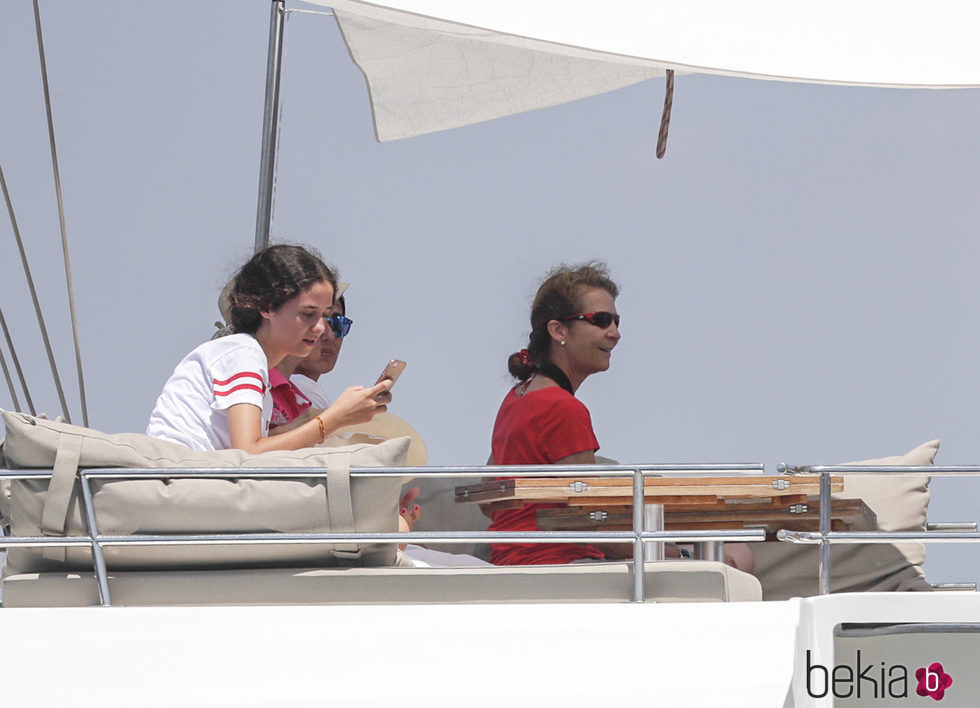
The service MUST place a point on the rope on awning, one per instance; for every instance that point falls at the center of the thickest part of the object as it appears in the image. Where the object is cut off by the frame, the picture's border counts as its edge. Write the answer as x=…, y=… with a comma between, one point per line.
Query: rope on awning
x=37, y=304
x=665, y=118
x=20, y=372
x=64, y=233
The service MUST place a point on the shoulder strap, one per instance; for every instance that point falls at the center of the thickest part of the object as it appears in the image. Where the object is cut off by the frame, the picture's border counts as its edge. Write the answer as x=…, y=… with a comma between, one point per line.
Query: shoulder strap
x=340, y=504
x=54, y=517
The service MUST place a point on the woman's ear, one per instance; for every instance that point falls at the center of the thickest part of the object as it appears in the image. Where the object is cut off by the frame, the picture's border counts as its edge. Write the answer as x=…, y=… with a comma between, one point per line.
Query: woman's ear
x=558, y=331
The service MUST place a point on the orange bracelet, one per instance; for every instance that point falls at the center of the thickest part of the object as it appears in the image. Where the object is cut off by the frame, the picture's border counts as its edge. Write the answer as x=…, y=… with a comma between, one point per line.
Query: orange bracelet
x=323, y=431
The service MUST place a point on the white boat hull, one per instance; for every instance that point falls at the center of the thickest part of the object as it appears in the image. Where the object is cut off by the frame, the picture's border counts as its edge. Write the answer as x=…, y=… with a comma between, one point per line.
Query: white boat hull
x=701, y=654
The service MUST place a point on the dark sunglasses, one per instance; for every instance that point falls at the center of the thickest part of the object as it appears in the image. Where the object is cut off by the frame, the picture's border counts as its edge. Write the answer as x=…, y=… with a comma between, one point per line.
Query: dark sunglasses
x=339, y=325
x=602, y=320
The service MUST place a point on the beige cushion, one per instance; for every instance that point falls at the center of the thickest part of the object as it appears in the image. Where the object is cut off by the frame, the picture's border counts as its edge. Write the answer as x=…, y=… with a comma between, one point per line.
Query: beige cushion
x=190, y=506
x=666, y=581
x=899, y=502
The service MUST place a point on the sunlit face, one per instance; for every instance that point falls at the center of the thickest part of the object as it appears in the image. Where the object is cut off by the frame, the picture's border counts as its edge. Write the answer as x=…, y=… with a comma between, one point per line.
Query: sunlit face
x=323, y=358
x=589, y=348
x=294, y=328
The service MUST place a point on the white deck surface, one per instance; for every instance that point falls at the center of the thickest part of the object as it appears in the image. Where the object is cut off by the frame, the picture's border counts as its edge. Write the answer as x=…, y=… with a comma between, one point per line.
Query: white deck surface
x=461, y=655
x=735, y=654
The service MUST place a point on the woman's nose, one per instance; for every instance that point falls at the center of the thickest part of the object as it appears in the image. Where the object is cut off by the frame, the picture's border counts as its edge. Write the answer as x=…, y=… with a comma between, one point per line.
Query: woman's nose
x=320, y=327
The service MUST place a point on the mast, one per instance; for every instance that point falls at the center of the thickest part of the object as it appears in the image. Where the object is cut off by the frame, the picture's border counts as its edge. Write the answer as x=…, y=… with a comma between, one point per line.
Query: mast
x=270, y=125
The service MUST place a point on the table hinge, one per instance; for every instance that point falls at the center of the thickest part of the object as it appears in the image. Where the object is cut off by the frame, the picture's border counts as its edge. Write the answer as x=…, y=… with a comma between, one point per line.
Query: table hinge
x=578, y=487
x=780, y=484
x=598, y=515
x=798, y=508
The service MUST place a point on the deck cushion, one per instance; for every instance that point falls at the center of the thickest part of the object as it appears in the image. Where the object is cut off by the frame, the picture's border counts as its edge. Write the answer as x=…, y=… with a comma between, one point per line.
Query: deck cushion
x=899, y=502
x=195, y=505
x=666, y=581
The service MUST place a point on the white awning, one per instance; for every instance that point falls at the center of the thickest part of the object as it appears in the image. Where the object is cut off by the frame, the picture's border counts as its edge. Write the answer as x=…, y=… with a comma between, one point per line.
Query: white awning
x=437, y=64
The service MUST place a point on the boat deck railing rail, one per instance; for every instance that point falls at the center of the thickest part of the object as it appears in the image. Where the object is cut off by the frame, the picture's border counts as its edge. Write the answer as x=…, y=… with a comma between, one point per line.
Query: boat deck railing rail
x=642, y=536
x=953, y=532
x=639, y=536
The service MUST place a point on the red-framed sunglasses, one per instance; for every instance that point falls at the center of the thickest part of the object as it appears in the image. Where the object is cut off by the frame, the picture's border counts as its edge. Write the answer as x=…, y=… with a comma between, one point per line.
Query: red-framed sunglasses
x=602, y=320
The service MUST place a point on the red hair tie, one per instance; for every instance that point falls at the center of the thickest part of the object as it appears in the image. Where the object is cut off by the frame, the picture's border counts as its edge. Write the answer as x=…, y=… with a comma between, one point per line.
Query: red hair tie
x=525, y=357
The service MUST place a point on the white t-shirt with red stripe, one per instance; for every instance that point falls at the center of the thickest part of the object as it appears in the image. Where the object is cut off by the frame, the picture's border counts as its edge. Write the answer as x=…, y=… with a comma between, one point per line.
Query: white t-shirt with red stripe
x=193, y=407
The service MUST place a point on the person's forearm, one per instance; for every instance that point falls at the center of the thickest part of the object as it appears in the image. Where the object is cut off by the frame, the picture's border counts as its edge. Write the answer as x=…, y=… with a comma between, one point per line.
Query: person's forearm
x=307, y=434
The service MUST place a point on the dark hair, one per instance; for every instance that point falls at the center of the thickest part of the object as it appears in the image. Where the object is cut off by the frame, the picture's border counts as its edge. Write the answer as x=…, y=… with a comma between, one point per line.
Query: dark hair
x=343, y=304
x=270, y=278
x=559, y=296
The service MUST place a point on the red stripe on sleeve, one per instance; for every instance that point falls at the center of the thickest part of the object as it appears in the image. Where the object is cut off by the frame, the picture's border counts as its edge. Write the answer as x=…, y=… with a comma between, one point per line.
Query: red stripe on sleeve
x=253, y=374
x=241, y=387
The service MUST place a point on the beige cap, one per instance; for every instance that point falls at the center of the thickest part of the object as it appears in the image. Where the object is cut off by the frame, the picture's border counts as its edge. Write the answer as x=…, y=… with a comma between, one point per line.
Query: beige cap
x=384, y=426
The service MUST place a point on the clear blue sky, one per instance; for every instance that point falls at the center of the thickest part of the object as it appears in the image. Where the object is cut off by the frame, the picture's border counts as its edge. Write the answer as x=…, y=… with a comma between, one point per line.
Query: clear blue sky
x=798, y=274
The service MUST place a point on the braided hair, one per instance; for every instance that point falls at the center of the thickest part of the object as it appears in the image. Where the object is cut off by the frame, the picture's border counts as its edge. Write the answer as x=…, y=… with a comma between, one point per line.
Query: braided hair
x=557, y=298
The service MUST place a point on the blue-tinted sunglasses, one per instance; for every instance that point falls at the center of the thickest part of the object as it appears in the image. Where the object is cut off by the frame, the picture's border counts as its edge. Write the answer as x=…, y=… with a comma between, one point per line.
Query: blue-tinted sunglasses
x=339, y=325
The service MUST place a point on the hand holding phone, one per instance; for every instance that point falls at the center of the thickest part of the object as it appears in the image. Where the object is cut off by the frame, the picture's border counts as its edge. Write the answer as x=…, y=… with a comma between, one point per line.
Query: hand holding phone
x=391, y=372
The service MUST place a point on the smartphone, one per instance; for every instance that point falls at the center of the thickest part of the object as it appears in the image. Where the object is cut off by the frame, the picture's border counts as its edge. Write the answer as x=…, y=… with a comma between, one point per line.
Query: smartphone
x=392, y=371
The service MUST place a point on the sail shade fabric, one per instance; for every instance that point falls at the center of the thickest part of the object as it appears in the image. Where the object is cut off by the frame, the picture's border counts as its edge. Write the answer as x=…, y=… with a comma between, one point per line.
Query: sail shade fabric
x=437, y=64
x=435, y=77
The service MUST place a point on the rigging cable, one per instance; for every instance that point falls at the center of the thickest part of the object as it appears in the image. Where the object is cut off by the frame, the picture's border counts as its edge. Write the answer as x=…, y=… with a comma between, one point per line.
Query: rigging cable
x=6, y=371
x=64, y=233
x=37, y=305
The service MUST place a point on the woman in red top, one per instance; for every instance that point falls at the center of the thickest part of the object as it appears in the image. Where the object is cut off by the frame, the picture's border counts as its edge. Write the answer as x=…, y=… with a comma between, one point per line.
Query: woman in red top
x=574, y=328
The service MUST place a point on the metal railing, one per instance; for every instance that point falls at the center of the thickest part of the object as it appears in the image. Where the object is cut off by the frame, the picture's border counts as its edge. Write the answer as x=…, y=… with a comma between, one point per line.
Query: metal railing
x=956, y=532
x=638, y=536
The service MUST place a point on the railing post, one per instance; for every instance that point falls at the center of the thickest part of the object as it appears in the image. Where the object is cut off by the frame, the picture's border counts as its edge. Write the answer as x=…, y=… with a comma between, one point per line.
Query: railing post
x=270, y=126
x=824, y=571
x=653, y=520
x=639, y=569
x=98, y=559
x=710, y=551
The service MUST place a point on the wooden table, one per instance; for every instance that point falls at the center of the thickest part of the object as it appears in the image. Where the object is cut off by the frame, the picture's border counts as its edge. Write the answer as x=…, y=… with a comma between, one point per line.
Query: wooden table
x=845, y=515
x=712, y=502
x=672, y=491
